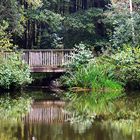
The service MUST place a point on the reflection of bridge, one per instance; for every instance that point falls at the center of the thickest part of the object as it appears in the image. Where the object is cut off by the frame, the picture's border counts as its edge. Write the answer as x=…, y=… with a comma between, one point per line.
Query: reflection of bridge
x=48, y=60
x=46, y=112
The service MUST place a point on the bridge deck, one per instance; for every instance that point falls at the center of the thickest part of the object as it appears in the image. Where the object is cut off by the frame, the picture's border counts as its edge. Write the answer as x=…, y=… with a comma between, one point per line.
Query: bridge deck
x=45, y=69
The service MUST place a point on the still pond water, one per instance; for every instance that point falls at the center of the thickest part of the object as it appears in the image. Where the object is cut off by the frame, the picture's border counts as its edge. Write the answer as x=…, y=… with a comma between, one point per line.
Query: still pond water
x=47, y=121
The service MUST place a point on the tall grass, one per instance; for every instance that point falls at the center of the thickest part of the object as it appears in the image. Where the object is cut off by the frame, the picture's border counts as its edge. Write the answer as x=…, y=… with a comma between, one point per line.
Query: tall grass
x=93, y=76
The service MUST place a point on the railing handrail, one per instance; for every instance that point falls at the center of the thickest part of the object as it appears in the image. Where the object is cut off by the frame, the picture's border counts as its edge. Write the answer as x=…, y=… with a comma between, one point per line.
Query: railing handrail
x=42, y=50
x=36, y=50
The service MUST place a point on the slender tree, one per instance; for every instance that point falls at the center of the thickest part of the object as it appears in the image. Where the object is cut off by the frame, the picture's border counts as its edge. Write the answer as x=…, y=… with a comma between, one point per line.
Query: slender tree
x=132, y=20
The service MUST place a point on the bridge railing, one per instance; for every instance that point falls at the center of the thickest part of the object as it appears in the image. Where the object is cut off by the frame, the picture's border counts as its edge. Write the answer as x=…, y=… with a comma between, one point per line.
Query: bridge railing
x=47, y=57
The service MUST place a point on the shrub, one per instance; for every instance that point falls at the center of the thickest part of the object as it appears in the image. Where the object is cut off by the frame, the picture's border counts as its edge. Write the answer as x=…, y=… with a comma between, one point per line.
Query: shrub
x=13, y=71
x=81, y=56
x=127, y=62
x=123, y=65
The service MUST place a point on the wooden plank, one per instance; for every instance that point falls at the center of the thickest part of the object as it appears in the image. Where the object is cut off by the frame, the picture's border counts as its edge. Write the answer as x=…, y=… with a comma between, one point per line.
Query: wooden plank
x=38, y=50
x=47, y=69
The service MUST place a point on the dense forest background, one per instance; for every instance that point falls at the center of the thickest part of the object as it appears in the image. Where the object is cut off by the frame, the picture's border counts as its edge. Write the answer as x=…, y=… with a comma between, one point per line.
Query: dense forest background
x=42, y=24
x=53, y=23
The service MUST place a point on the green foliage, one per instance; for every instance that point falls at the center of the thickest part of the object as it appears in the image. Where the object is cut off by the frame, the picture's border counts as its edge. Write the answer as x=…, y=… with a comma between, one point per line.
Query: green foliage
x=50, y=23
x=14, y=108
x=122, y=27
x=81, y=56
x=34, y=3
x=111, y=70
x=81, y=26
x=127, y=63
x=123, y=65
x=82, y=20
x=5, y=41
x=53, y=21
x=12, y=13
x=13, y=71
x=96, y=74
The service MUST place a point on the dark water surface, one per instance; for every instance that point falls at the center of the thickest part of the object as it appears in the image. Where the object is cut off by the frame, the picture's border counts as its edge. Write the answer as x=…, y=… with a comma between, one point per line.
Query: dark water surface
x=47, y=121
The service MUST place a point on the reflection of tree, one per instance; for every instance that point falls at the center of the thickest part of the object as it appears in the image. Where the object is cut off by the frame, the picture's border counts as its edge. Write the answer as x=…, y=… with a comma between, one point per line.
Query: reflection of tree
x=55, y=132
x=14, y=108
x=121, y=130
x=82, y=127
x=85, y=129
x=43, y=131
x=8, y=130
x=126, y=114
x=99, y=131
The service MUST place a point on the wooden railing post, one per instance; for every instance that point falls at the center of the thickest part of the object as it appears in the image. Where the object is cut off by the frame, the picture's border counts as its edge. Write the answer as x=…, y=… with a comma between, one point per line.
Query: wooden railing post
x=62, y=57
x=29, y=58
x=51, y=57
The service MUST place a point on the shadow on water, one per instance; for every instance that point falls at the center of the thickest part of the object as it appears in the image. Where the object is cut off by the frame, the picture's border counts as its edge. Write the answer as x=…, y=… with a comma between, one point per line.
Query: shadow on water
x=47, y=120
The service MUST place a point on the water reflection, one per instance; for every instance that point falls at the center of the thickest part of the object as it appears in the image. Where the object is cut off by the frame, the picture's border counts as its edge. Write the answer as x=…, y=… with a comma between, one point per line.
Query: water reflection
x=120, y=130
x=62, y=131
x=46, y=112
x=47, y=121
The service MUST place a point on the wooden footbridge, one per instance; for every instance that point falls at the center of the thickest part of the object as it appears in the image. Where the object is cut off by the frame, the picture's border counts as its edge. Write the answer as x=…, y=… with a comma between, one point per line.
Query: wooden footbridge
x=48, y=60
